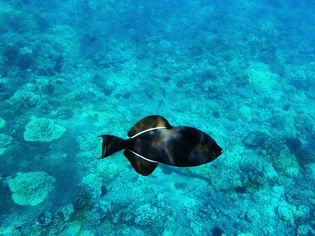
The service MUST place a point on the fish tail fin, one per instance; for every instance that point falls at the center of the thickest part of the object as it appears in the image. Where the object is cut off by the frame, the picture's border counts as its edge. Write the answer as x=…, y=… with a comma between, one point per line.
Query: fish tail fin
x=111, y=144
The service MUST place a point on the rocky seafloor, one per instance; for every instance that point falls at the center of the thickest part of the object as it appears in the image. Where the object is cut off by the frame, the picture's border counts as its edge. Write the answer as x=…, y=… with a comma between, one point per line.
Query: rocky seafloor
x=242, y=71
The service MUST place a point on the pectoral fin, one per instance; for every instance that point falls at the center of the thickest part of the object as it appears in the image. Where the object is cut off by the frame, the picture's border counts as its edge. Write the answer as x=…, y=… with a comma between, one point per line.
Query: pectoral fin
x=142, y=166
x=147, y=123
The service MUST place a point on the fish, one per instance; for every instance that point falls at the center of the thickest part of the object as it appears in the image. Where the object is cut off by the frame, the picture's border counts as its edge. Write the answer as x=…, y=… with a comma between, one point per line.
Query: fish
x=153, y=140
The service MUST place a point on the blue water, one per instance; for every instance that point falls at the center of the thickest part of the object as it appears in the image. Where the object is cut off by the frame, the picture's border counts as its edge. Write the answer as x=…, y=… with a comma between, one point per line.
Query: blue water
x=242, y=71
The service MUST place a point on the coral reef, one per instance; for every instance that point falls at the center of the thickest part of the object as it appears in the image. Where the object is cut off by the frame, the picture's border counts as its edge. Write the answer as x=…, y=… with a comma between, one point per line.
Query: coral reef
x=262, y=80
x=42, y=129
x=145, y=214
x=87, y=192
x=2, y=123
x=5, y=140
x=286, y=164
x=23, y=100
x=31, y=188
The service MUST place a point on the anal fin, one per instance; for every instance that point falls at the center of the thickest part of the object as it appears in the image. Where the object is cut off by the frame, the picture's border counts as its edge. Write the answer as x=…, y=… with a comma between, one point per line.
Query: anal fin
x=142, y=166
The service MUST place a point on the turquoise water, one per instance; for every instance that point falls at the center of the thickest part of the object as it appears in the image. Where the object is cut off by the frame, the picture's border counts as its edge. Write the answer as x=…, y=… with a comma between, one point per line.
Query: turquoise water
x=242, y=71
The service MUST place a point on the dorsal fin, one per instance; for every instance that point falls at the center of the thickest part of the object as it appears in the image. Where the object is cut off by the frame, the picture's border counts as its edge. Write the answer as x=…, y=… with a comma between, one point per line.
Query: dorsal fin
x=148, y=122
x=141, y=165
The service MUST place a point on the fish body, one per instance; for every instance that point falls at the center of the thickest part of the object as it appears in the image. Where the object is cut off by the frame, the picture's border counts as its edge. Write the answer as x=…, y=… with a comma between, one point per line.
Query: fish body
x=153, y=140
x=178, y=146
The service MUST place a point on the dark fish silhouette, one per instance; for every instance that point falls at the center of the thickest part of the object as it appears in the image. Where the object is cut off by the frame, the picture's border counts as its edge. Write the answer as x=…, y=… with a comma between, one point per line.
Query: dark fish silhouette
x=153, y=140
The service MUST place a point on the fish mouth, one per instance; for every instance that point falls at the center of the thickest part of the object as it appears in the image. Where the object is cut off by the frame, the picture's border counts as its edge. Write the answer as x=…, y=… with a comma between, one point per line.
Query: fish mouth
x=219, y=153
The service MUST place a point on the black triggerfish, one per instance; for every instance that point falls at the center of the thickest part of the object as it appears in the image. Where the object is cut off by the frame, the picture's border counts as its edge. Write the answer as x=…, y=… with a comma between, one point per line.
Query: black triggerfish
x=153, y=140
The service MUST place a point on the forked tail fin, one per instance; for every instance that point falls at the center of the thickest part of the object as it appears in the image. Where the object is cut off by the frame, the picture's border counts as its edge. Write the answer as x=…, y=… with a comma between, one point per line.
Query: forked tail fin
x=111, y=144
